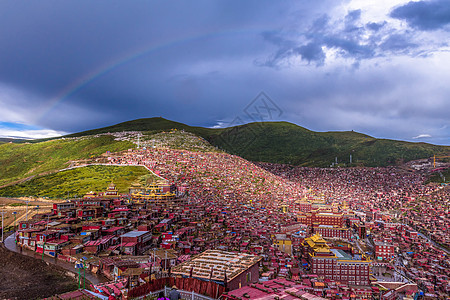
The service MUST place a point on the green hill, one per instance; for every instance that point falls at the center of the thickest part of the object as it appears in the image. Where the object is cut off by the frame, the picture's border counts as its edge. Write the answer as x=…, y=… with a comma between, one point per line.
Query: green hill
x=283, y=142
x=24, y=160
x=150, y=125
x=78, y=181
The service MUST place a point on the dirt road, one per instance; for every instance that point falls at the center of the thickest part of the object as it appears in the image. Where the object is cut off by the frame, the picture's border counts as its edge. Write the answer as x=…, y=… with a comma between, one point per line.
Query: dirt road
x=10, y=205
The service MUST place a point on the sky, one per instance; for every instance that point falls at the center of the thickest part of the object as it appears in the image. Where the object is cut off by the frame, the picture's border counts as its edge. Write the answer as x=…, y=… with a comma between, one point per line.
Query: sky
x=380, y=67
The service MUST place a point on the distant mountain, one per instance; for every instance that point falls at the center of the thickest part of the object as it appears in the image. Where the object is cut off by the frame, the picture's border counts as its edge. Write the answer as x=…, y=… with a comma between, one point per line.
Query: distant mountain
x=12, y=140
x=284, y=142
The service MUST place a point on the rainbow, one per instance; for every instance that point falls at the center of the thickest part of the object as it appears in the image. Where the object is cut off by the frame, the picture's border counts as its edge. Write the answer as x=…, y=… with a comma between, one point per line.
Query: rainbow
x=131, y=56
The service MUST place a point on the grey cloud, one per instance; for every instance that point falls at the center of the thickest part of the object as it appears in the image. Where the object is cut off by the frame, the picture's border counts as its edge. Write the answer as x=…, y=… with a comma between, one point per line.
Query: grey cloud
x=349, y=47
x=312, y=52
x=398, y=42
x=276, y=39
x=318, y=35
x=351, y=39
x=424, y=15
x=320, y=24
x=375, y=26
x=353, y=16
x=350, y=19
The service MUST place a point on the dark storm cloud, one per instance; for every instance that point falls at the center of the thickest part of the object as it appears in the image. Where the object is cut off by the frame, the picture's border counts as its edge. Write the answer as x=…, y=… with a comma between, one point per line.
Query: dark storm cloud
x=72, y=66
x=352, y=39
x=425, y=15
x=47, y=47
x=347, y=41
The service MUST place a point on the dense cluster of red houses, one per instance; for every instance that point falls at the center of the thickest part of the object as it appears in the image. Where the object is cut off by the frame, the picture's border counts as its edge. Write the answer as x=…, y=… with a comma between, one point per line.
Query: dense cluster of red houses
x=288, y=233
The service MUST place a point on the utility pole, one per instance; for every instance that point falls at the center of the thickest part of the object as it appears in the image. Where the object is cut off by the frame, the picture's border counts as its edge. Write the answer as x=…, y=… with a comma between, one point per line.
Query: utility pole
x=14, y=213
x=84, y=277
x=27, y=209
x=79, y=278
x=2, y=212
x=43, y=247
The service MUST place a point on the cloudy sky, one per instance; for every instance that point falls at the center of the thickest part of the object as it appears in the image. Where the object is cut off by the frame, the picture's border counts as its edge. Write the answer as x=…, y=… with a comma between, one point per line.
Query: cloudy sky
x=381, y=67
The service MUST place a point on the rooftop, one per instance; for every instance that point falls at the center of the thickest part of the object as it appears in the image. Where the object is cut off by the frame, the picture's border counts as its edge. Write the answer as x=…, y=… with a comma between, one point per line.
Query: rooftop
x=219, y=262
x=341, y=254
x=134, y=233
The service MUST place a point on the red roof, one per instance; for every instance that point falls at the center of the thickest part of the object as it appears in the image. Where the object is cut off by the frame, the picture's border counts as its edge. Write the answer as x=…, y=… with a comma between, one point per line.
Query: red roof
x=129, y=244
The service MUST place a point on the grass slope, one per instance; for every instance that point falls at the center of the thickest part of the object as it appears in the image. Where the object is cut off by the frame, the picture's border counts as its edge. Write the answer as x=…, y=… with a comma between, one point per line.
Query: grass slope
x=283, y=142
x=21, y=160
x=78, y=181
x=436, y=177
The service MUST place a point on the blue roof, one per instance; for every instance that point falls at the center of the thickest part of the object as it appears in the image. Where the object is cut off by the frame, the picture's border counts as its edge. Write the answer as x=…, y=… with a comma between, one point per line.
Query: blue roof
x=134, y=233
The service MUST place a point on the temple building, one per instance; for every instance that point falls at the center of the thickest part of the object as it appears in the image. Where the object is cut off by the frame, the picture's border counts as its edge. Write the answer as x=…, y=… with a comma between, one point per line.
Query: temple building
x=329, y=231
x=336, y=264
x=319, y=217
x=158, y=192
x=111, y=191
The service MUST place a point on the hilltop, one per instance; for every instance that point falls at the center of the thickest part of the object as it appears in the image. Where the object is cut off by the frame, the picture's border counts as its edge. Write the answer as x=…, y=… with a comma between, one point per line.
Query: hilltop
x=284, y=142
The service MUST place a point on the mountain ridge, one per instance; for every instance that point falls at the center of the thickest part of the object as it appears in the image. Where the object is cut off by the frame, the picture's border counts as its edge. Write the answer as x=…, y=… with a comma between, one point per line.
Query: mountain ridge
x=285, y=142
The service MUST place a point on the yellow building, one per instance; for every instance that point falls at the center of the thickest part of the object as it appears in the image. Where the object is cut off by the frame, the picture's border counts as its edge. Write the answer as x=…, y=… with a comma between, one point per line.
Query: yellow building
x=283, y=243
x=284, y=208
x=111, y=191
x=157, y=192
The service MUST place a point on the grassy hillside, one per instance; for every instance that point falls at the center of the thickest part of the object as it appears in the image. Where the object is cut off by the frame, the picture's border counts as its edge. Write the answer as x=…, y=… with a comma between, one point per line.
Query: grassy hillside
x=22, y=160
x=283, y=142
x=440, y=176
x=78, y=181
